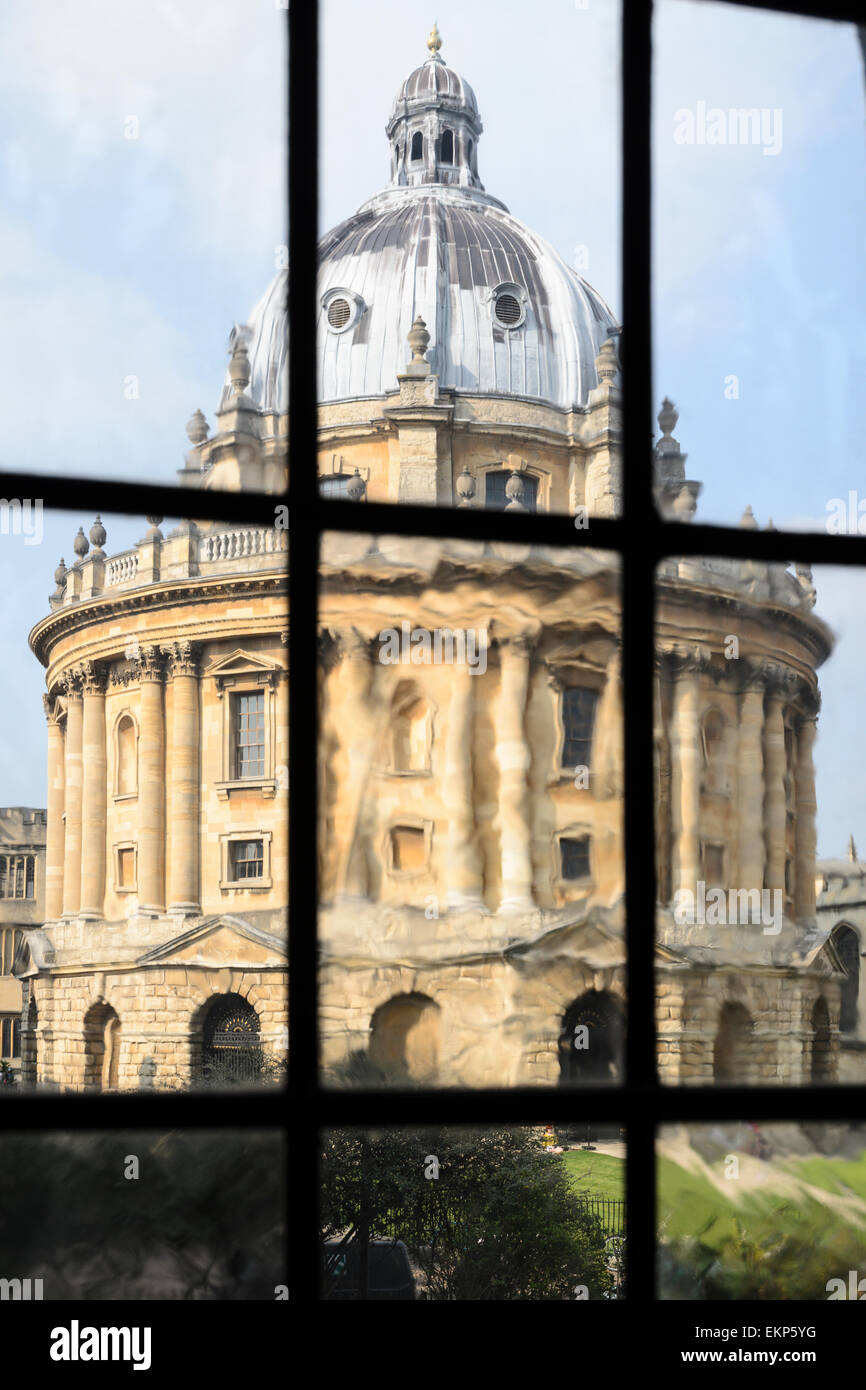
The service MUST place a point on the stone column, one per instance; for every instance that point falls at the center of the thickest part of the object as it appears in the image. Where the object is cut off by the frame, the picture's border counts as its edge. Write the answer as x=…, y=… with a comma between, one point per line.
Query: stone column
x=686, y=779
x=663, y=791
x=806, y=839
x=151, y=792
x=54, y=831
x=750, y=785
x=463, y=871
x=72, y=796
x=356, y=678
x=608, y=756
x=94, y=789
x=512, y=756
x=183, y=780
x=774, y=785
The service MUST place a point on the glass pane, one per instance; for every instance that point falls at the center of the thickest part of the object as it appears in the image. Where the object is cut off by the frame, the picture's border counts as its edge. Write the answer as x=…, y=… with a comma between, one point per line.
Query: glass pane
x=471, y=871
x=761, y=1212
x=144, y=237
x=467, y=347
x=759, y=283
x=757, y=721
x=449, y=1213
x=117, y=740
x=143, y=1215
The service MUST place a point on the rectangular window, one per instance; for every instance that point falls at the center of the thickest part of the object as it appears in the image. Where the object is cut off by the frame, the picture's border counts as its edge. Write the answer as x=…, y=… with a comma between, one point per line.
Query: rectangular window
x=248, y=725
x=408, y=849
x=10, y=1037
x=247, y=859
x=574, y=857
x=578, y=718
x=713, y=865
x=126, y=868
x=17, y=876
x=497, y=498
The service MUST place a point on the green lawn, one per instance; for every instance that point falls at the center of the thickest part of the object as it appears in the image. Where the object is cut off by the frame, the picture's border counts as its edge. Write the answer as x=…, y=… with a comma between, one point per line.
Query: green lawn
x=688, y=1203
x=594, y=1174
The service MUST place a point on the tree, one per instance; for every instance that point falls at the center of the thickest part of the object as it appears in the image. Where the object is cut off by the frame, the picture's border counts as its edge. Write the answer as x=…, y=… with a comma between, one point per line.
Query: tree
x=498, y=1221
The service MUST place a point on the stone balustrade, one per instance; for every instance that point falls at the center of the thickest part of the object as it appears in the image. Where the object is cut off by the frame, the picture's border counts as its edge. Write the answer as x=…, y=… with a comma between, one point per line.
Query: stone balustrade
x=186, y=553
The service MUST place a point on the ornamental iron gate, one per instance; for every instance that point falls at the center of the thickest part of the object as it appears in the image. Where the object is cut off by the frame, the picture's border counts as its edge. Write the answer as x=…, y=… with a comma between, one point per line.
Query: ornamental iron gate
x=231, y=1046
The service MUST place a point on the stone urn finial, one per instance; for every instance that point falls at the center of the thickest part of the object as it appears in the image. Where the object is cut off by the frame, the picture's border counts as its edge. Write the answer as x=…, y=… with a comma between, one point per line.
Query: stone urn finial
x=98, y=536
x=465, y=488
x=356, y=487
x=154, y=534
x=747, y=520
x=607, y=363
x=80, y=545
x=419, y=340
x=197, y=428
x=515, y=491
x=60, y=573
x=667, y=417
x=239, y=366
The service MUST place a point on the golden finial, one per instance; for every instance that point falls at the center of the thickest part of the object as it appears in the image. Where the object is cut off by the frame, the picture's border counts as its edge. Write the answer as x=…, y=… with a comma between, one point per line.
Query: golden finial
x=434, y=42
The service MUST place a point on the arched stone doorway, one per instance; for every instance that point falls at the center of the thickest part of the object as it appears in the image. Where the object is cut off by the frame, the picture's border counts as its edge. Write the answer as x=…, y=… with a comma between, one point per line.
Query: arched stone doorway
x=731, y=1053
x=231, y=1050
x=404, y=1038
x=102, y=1034
x=591, y=1040
x=822, y=1047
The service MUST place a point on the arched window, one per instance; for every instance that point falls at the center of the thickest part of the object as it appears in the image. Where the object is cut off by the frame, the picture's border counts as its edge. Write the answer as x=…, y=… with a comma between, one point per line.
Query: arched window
x=731, y=1053
x=447, y=154
x=847, y=943
x=469, y=153
x=822, y=1049
x=410, y=730
x=404, y=1038
x=127, y=756
x=417, y=146
x=591, y=1040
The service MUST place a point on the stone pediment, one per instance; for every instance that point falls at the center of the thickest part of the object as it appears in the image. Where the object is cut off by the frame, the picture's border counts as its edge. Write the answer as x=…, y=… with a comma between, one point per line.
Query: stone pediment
x=244, y=665
x=219, y=943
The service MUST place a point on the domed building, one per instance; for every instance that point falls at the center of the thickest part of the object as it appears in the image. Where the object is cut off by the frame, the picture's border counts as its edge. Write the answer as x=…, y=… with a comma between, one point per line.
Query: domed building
x=471, y=816
x=162, y=960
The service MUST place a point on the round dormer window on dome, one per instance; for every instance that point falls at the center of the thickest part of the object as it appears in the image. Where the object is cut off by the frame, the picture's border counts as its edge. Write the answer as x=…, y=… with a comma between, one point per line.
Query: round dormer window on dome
x=342, y=309
x=509, y=305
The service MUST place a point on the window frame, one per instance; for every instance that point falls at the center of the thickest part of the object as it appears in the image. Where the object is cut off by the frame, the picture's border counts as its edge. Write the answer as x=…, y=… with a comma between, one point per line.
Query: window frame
x=642, y=539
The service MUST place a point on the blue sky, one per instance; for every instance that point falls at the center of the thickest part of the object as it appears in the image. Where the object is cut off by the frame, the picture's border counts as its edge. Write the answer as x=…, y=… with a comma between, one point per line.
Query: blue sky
x=135, y=256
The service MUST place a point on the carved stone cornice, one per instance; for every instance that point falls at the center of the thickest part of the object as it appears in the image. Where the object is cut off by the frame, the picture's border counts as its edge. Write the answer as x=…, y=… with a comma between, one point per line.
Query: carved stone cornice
x=182, y=658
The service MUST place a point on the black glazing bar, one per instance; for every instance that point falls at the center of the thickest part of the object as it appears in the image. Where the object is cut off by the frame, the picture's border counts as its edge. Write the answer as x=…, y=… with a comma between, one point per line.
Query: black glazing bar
x=657, y=539
x=854, y=10
x=303, y=645
x=623, y=1105
x=638, y=644
x=142, y=1110
x=73, y=494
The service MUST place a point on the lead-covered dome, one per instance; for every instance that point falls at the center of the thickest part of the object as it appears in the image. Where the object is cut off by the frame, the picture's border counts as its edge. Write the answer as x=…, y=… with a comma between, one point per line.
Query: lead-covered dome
x=506, y=315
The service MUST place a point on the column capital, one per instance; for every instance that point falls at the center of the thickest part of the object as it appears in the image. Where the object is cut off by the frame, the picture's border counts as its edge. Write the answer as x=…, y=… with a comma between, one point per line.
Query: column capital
x=690, y=659
x=182, y=658
x=780, y=680
x=93, y=678
x=70, y=683
x=148, y=664
x=48, y=706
